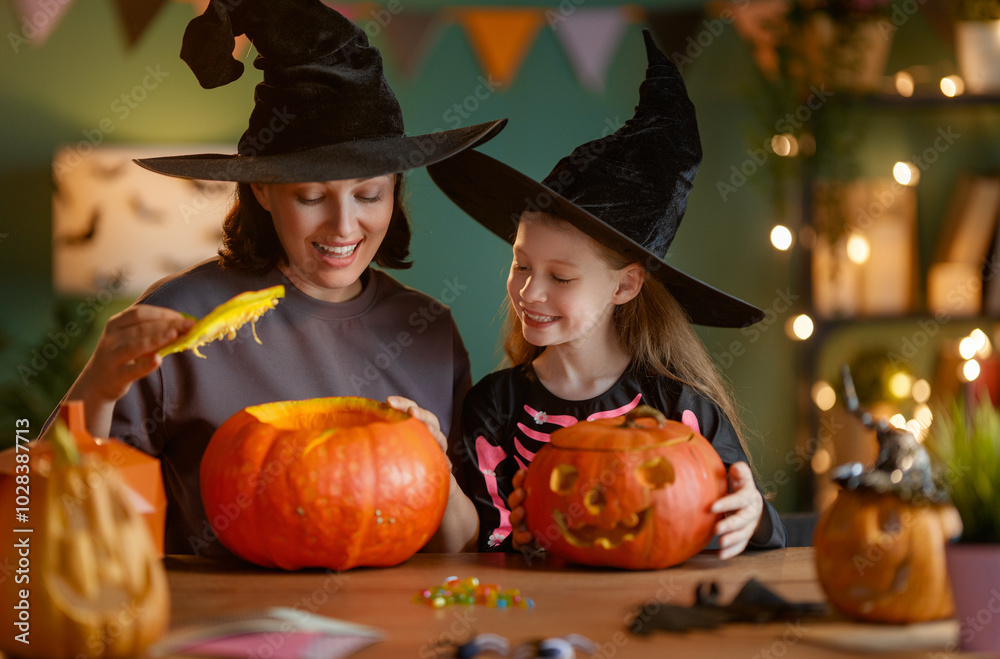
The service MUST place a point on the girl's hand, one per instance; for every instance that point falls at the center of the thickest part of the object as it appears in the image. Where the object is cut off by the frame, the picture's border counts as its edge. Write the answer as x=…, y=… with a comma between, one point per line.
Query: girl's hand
x=742, y=508
x=427, y=417
x=126, y=351
x=520, y=536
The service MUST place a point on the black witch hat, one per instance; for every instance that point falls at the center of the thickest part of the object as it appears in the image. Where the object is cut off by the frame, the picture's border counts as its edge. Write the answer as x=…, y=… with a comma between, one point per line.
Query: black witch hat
x=323, y=111
x=628, y=190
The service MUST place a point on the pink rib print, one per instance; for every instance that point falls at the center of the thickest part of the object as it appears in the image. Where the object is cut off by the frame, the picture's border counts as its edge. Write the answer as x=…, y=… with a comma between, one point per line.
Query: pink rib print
x=563, y=420
x=536, y=435
x=610, y=414
x=690, y=420
x=523, y=452
x=489, y=457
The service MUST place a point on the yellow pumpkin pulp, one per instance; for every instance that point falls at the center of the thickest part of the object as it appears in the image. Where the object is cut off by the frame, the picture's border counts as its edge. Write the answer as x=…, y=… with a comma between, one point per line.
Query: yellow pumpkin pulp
x=226, y=319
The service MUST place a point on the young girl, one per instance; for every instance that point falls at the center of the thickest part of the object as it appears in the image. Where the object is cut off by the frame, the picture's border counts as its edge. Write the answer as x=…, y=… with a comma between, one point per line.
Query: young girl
x=598, y=323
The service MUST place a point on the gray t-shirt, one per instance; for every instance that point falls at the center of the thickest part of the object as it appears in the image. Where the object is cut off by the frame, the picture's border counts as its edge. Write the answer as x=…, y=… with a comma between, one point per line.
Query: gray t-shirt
x=390, y=340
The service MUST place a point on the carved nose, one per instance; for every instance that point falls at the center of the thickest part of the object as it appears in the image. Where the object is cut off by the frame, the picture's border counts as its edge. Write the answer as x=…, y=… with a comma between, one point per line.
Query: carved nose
x=595, y=500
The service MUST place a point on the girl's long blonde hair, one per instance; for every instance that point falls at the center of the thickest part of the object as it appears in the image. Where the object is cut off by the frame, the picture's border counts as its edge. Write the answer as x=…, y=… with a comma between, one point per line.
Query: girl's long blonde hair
x=655, y=331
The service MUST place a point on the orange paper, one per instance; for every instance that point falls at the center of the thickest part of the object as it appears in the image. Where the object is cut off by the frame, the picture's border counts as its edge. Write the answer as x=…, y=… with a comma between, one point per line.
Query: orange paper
x=501, y=38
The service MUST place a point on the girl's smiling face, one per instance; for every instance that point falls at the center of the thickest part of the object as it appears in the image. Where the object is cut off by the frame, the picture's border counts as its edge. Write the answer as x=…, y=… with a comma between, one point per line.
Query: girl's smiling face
x=561, y=287
x=330, y=230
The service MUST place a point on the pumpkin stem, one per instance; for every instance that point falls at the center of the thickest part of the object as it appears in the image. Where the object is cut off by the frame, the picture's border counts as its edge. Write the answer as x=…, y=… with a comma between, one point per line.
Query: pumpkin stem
x=64, y=445
x=643, y=412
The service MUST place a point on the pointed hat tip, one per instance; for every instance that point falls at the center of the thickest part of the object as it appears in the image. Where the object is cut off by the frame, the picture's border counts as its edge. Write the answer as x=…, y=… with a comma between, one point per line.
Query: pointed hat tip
x=654, y=55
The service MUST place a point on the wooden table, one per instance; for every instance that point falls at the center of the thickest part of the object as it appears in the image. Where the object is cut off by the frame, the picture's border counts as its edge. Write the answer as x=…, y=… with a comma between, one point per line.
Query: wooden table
x=596, y=603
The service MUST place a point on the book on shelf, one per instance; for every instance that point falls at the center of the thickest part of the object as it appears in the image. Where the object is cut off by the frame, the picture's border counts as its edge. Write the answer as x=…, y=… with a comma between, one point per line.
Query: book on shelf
x=956, y=278
x=991, y=277
x=881, y=216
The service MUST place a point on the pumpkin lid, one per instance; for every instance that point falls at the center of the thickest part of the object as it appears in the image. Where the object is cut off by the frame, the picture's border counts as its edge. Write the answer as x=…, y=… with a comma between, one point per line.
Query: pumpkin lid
x=642, y=428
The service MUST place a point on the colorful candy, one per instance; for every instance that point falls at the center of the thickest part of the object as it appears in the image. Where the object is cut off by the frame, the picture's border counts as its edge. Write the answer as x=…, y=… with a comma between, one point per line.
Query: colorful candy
x=469, y=591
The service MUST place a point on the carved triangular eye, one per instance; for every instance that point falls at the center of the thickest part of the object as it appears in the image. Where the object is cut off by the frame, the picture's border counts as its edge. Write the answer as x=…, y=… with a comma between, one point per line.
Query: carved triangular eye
x=656, y=473
x=563, y=479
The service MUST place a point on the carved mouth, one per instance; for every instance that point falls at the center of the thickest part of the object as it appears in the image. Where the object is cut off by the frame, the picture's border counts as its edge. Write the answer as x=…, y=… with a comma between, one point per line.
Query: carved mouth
x=588, y=535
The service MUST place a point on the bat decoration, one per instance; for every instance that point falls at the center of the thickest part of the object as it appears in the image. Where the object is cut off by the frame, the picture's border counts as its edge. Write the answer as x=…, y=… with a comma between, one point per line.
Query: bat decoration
x=144, y=211
x=87, y=234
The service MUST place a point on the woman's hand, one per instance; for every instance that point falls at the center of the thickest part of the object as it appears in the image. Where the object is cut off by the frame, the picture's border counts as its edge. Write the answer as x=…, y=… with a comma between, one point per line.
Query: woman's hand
x=127, y=349
x=520, y=536
x=126, y=352
x=742, y=508
x=426, y=417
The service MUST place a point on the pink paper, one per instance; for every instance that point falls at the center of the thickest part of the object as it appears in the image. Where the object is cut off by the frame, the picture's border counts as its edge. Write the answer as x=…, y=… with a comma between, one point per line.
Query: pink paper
x=590, y=38
x=281, y=645
x=37, y=18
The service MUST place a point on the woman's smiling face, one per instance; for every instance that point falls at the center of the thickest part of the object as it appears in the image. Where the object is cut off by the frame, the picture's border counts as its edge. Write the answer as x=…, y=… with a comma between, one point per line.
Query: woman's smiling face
x=330, y=231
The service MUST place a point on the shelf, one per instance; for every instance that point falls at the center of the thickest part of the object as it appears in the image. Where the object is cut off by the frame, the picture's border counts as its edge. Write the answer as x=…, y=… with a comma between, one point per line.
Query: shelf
x=918, y=341
x=925, y=101
x=910, y=317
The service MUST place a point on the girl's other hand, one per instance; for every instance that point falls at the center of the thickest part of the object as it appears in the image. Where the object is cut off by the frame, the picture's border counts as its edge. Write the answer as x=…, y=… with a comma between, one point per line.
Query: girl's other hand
x=520, y=536
x=742, y=508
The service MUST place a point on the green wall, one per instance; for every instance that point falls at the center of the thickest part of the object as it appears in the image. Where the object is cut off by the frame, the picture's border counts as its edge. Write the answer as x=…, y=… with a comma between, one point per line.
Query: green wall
x=63, y=91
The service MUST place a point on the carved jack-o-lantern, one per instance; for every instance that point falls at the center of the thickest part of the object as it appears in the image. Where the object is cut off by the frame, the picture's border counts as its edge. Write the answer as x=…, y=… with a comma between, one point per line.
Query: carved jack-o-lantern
x=880, y=547
x=881, y=558
x=631, y=492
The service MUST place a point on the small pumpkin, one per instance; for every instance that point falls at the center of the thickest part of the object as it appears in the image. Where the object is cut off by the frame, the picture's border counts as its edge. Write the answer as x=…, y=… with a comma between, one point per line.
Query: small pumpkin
x=92, y=583
x=880, y=547
x=226, y=319
x=333, y=482
x=882, y=559
x=631, y=492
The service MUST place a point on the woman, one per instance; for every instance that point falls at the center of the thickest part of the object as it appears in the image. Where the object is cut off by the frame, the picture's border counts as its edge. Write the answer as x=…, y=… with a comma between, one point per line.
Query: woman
x=319, y=199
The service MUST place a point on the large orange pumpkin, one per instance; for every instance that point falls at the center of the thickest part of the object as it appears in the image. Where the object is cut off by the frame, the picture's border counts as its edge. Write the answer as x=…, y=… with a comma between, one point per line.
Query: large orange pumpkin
x=327, y=482
x=631, y=492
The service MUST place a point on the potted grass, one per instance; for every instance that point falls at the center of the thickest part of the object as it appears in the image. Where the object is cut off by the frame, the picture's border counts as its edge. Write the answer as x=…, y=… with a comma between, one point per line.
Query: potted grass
x=977, y=44
x=964, y=443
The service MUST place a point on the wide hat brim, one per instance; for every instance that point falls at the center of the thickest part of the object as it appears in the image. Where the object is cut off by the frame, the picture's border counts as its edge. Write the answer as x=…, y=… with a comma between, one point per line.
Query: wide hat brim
x=495, y=195
x=363, y=158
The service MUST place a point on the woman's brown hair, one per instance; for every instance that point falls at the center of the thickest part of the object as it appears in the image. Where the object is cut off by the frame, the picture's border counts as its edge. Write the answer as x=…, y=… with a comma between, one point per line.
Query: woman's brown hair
x=655, y=331
x=250, y=243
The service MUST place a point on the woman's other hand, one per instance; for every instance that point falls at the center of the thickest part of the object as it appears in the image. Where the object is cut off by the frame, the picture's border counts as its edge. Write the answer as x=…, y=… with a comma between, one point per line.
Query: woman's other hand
x=426, y=417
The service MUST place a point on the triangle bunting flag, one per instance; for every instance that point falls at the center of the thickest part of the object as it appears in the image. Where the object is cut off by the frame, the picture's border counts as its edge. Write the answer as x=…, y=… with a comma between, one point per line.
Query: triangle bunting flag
x=501, y=38
x=136, y=15
x=37, y=19
x=590, y=38
x=410, y=36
